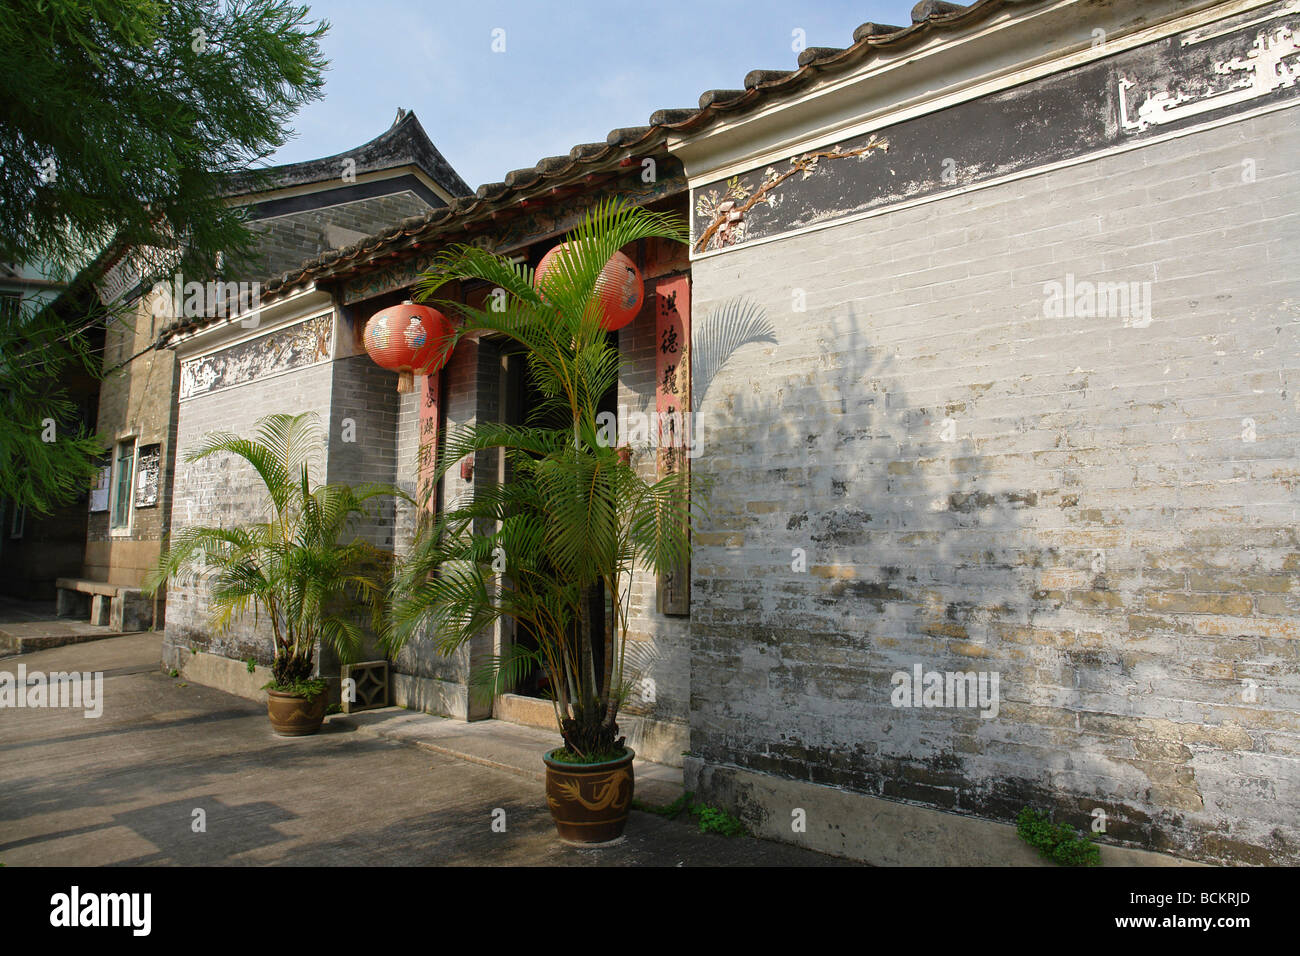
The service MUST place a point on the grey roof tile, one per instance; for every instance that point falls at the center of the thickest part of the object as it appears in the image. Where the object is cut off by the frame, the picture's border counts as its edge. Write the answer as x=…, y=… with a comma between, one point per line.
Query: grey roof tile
x=671, y=116
x=935, y=8
x=587, y=150
x=626, y=135
x=815, y=53
x=756, y=77
x=874, y=30
x=710, y=97
x=491, y=191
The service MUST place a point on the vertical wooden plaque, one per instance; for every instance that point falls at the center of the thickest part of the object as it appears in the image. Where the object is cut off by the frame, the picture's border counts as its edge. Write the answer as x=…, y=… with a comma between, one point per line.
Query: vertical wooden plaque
x=673, y=403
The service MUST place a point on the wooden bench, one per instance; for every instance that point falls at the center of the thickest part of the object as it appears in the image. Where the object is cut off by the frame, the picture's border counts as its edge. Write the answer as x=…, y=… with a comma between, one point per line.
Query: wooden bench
x=118, y=607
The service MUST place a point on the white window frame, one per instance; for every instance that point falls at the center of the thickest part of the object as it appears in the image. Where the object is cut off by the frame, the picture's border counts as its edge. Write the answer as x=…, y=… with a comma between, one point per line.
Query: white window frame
x=114, y=486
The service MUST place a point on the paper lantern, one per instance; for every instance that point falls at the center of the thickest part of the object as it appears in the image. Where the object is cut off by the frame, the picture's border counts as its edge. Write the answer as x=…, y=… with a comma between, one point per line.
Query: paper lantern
x=619, y=287
x=408, y=339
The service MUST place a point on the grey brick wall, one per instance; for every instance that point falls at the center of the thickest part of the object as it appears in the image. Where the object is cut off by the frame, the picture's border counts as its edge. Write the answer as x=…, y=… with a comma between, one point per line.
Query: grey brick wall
x=469, y=389
x=1076, y=504
x=285, y=242
x=223, y=490
x=363, y=436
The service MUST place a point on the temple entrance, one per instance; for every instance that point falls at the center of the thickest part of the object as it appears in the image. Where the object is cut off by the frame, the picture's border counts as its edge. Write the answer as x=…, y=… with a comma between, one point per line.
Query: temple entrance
x=521, y=403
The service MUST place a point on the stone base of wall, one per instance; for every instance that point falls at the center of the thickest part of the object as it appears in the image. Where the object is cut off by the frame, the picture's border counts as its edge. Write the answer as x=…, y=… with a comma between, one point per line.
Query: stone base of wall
x=657, y=740
x=231, y=676
x=529, y=711
x=432, y=696
x=875, y=831
x=212, y=670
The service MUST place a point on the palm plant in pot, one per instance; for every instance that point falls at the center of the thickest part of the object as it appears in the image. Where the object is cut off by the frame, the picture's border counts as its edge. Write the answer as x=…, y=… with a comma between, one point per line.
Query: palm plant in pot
x=293, y=569
x=568, y=526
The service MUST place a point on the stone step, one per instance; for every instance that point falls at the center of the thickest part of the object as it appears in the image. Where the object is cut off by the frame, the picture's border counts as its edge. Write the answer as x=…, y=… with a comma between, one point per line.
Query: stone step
x=497, y=743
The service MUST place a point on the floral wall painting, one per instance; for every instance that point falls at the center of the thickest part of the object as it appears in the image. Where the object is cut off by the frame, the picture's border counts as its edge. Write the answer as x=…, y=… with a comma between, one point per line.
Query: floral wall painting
x=297, y=346
x=725, y=212
x=1249, y=62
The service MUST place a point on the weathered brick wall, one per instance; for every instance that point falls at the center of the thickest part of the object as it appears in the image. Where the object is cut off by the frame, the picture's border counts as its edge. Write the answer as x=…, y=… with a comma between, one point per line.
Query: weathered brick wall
x=136, y=397
x=470, y=393
x=285, y=242
x=1102, y=513
x=223, y=490
x=363, y=433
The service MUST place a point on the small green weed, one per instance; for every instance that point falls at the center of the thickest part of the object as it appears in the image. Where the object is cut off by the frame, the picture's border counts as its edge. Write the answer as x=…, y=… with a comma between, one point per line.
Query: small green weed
x=1059, y=842
x=709, y=819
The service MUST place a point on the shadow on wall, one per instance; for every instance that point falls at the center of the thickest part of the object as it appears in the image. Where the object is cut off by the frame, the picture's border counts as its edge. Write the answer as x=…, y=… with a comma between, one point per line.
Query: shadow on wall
x=866, y=607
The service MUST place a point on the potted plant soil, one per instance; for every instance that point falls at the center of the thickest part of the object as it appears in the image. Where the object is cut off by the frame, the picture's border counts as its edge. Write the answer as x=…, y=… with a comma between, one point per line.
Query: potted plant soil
x=292, y=570
x=553, y=547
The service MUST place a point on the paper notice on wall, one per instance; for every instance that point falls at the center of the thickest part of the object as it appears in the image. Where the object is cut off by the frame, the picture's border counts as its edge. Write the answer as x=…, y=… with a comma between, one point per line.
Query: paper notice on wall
x=146, y=480
x=99, y=490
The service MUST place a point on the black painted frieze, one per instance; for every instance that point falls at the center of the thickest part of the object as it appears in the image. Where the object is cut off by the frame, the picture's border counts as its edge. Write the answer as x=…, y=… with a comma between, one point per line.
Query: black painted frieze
x=1240, y=63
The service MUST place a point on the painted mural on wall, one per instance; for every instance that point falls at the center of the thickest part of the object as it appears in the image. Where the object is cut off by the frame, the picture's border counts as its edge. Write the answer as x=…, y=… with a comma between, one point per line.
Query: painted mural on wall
x=1240, y=63
x=146, y=478
x=296, y=346
x=726, y=212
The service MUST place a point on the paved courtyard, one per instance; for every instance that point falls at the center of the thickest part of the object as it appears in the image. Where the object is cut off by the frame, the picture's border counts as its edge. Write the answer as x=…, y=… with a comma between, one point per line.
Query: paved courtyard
x=123, y=788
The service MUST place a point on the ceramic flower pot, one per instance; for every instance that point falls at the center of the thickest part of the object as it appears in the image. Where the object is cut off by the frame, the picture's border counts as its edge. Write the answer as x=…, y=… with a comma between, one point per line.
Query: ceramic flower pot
x=589, y=802
x=294, y=716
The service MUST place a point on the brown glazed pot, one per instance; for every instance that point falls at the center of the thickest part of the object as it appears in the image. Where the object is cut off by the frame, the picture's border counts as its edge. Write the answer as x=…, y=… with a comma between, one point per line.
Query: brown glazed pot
x=589, y=801
x=294, y=716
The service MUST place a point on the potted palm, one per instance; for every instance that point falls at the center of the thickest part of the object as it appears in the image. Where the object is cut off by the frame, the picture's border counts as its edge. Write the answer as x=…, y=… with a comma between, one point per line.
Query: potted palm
x=292, y=569
x=566, y=528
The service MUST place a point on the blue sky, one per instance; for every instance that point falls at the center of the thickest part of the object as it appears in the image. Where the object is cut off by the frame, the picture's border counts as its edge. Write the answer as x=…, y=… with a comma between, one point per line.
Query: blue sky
x=571, y=70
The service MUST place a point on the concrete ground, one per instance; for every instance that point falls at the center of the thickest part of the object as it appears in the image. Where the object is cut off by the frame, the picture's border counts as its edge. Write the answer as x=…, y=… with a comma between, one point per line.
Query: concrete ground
x=27, y=626
x=380, y=788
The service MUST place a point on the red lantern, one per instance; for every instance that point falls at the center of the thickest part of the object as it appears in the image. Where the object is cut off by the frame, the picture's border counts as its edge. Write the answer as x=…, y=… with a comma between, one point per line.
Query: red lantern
x=408, y=339
x=619, y=287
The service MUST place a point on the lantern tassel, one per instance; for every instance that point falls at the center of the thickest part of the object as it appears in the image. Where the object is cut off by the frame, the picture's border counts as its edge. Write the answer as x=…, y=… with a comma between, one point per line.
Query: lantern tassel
x=405, y=382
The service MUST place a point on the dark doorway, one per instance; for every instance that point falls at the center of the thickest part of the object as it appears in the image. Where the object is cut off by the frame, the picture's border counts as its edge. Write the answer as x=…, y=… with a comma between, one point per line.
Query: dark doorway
x=521, y=405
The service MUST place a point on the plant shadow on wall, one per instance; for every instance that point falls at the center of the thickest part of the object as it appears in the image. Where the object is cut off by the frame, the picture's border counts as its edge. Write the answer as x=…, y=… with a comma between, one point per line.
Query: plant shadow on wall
x=573, y=519
x=715, y=340
x=855, y=535
x=293, y=569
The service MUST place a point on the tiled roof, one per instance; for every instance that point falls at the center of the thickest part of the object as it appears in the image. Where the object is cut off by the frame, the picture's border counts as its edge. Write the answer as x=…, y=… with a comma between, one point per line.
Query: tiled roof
x=761, y=87
x=405, y=143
